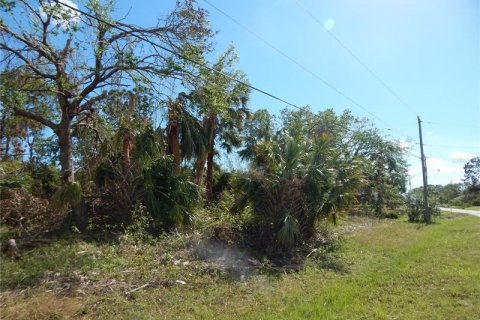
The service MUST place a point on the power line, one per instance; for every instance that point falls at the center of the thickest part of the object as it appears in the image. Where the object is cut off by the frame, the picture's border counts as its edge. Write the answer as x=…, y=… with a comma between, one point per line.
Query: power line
x=447, y=146
x=413, y=155
x=364, y=65
x=452, y=124
x=298, y=64
x=200, y=64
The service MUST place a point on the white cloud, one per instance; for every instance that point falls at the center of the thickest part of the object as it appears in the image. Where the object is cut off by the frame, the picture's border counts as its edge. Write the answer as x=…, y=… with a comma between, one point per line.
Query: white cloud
x=437, y=164
x=460, y=156
x=440, y=171
x=62, y=16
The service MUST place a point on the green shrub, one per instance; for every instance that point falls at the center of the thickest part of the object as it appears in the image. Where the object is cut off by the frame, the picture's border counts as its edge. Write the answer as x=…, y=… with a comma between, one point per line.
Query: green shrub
x=416, y=210
x=69, y=194
x=218, y=222
x=46, y=180
x=14, y=174
x=137, y=231
x=472, y=198
x=169, y=199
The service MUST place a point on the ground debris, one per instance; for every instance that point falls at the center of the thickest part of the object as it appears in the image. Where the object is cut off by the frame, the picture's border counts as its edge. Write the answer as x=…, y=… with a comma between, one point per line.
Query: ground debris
x=67, y=283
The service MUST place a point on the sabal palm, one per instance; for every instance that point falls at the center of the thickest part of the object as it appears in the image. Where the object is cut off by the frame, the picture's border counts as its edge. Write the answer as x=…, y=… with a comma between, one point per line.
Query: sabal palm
x=222, y=104
x=300, y=176
x=184, y=132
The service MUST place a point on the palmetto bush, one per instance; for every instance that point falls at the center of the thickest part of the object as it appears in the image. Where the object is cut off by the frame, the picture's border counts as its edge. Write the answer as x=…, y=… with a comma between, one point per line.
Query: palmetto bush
x=148, y=180
x=300, y=184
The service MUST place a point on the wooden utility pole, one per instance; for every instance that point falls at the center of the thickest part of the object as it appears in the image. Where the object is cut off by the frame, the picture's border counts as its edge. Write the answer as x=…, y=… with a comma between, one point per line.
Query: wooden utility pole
x=428, y=218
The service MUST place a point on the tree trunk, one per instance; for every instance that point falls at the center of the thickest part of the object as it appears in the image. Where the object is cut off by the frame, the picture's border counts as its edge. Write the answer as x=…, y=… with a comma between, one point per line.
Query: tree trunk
x=211, y=149
x=379, y=186
x=202, y=158
x=127, y=148
x=210, y=176
x=7, y=148
x=173, y=132
x=200, y=168
x=30, y=144
x=128, y=137
x=2, y=132
x=66, y=153
x=80, y=214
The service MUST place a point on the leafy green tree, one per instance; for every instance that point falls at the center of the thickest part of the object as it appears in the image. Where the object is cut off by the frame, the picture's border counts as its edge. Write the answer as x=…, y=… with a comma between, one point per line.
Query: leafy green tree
x=79, y=58
x=256, y=136
x=472, y=182
x=449, y=192
x=472, y=175
x=23, y=134
x=438, y=193
x=383, y=166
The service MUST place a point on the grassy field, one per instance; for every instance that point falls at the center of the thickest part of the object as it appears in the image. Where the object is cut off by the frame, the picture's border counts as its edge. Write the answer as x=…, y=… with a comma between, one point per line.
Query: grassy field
x=379, y=270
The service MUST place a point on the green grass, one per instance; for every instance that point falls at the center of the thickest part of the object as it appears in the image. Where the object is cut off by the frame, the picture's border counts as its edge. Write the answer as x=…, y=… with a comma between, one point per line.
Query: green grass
x=466, y=207
x=477, y=208
x=388, y=270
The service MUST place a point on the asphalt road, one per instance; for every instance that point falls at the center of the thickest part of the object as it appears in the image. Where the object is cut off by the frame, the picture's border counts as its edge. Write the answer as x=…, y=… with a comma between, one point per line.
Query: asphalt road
x=471, y=212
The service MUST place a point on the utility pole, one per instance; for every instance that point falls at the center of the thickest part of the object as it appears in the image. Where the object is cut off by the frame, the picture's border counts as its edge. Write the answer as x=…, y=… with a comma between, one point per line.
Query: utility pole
x=428, y=218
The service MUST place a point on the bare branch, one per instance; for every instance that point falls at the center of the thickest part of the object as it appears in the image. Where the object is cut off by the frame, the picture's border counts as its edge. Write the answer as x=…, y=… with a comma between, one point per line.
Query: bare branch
x=29, y=63
x=89, y=104
x=36, y=117
x=29, y=43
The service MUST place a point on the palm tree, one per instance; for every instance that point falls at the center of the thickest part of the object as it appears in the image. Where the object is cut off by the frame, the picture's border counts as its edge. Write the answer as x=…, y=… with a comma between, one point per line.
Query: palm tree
x=222, y=103
x=299, y=175
x=185, y=135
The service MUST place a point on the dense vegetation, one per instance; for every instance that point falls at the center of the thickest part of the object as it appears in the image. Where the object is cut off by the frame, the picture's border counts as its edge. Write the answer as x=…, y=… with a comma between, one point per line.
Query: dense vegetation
x=113, y=128
x=126, y=166
x=466, y=194
x=95, y=129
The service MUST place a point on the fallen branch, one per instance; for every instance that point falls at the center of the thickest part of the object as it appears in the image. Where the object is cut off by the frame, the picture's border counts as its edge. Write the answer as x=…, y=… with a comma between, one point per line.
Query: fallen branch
x=136, y=289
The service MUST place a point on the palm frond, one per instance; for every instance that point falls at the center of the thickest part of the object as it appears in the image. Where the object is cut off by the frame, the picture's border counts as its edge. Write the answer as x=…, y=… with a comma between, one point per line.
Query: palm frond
x=68, y=194
x=289, y=231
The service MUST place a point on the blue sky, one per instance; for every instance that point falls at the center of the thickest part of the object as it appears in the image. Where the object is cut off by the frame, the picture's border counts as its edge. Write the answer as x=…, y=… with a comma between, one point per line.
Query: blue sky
x=427, y=52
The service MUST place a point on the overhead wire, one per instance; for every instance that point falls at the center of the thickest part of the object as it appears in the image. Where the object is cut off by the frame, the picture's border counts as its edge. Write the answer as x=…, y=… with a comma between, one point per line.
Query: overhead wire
x=413, y=155
x=205, y=66
x=200, y=64
x=363, y=64
x=372, y=73
x=369, y=70
x=298, y=64
x=452, y=124
x=448, y=146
